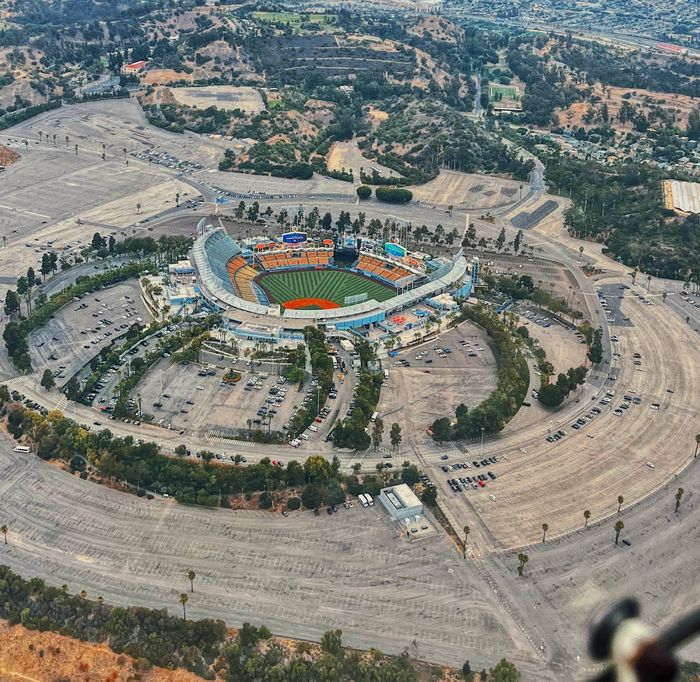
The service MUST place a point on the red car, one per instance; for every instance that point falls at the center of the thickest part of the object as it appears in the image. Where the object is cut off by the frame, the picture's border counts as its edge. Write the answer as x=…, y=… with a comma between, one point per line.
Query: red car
x=318, y=420
x=482, y=484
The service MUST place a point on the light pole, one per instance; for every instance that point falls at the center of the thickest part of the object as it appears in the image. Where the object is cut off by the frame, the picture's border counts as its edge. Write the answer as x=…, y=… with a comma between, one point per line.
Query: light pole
x=483, y=428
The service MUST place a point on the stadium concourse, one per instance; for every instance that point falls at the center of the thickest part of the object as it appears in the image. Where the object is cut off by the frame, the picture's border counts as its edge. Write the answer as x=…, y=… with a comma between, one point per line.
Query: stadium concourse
x=284, y=285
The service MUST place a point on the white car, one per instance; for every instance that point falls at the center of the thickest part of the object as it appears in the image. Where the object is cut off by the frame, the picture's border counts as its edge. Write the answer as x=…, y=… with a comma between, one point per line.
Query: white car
x=651, y=465
x=590, y=435
x=200, y=388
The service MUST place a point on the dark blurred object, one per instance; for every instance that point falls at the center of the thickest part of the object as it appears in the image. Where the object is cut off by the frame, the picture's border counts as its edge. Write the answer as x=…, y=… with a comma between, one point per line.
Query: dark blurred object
x=636, y=652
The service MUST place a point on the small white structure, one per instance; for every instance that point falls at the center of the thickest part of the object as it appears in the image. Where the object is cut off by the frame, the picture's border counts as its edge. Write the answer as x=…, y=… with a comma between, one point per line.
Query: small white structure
x=401, y=502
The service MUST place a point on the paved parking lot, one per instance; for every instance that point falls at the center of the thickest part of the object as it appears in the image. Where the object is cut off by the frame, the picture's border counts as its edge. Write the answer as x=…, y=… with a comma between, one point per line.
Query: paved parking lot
x=300, y=575
x=553, y=483
x=433, y=386
x=216, y=409
x=65, y=342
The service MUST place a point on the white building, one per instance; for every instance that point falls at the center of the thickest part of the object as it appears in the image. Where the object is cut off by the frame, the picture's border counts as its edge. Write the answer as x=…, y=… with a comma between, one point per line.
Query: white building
x=401, y=502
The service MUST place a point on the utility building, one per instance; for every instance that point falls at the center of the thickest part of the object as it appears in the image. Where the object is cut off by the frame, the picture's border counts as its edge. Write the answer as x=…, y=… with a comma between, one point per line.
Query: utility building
x=401, y=502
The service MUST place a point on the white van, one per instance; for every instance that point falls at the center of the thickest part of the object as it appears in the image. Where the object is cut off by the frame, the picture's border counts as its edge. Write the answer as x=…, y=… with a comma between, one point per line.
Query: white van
x=22, y=448
x=303, y=436
x=369, y=499
x=313, y=428
x=363, y=500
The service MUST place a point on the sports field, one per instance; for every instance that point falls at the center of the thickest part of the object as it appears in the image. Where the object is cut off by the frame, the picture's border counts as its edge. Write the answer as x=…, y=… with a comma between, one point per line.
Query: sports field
x=320, y=289
x=501, y=92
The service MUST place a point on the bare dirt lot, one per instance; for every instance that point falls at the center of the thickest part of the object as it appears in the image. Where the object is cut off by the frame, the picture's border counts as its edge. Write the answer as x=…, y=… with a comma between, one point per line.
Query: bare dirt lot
x=226, y=97
x=468, y=192
x=347, y=155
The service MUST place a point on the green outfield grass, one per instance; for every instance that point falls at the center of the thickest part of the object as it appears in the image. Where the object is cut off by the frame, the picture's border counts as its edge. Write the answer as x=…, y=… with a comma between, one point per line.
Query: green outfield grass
x=333, y=285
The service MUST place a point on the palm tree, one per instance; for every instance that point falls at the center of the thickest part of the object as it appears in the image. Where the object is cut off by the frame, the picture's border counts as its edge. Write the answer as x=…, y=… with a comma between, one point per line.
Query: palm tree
x=523, y=559
x=138, y=208
x=191, y=575
x=679, y=497
x=648, y=282
x=76, y=150
x=663, y=296
x=586, y=516
x=67, y=140
x=466, y=539
x=183, y=601
x=3, y=530
x=697, y=443
x=618, y=528
x=40, y=135
x=620, y=500
x=545, y=528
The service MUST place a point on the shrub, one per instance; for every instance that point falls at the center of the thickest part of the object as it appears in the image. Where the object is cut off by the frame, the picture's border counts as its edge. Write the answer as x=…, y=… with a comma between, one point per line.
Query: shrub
x=394, y=195
x=265, y=501
x=364, y=192
x=293, y=503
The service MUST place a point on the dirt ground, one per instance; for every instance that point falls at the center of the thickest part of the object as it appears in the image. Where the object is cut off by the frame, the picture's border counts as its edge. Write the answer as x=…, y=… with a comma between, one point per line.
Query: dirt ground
x=226, y=97
x=470, y=192
x=347, y=155
x=46, y=657
x=7, y=156
x=679, y=105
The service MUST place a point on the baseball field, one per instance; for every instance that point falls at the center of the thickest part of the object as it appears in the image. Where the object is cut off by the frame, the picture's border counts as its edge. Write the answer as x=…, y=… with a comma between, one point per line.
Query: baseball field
x=320, y=289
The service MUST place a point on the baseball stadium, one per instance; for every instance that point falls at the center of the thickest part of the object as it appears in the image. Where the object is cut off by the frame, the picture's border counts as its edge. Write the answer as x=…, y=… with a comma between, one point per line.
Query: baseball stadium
x=293, y=281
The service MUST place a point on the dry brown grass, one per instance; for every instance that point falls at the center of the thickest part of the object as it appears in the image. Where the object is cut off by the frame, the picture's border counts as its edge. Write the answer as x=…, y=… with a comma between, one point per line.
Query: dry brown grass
x=45, y=657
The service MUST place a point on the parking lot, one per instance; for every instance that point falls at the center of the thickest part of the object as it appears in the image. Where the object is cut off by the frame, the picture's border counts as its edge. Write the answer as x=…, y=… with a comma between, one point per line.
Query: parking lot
x=195, y=398
x=426, y=383
x=300, y=575
x=628, y=445
x=81, y=328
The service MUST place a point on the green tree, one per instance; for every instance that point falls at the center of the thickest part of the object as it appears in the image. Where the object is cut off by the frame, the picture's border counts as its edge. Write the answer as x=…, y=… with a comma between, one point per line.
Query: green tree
x=441, y=429
x=618, y=529
x=191, y=575
x=466, y=530
x=523, y=559
x=332, y=642
x=504, y=671
x=183, y=601
x=317, y=469
x=395, y=435
x=545, y=528
x=679, y=497
x=12, y=302
x=620, y=500
x=3, y=530
x=586, y=516
x=47, y=380
x=377, y=433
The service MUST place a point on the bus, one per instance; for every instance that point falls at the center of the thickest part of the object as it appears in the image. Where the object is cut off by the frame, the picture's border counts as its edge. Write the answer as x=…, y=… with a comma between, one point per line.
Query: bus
x=373, y=418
